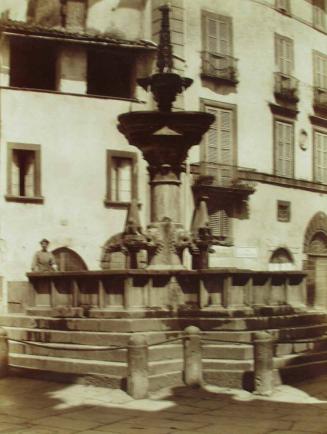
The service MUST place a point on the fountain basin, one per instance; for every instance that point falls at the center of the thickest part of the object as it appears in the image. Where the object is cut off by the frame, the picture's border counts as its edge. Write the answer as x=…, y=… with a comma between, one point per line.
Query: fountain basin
x=177, y=131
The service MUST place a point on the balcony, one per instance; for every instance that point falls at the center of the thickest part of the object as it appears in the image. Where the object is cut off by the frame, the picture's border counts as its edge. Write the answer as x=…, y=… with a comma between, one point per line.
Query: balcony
x=320, y=99
x=219, y=67
x=286, y=88
x=213, y=178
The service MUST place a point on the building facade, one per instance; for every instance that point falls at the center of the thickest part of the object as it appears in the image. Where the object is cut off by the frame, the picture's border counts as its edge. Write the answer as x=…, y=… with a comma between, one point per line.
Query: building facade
x=69, y=68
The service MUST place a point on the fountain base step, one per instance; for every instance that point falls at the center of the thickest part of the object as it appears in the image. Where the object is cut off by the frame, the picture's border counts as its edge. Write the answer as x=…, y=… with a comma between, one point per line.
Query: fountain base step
x=79, y=349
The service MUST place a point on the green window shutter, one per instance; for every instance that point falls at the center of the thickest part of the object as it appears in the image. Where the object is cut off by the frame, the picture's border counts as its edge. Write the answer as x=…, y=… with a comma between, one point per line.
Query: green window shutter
x=284, y=152
x=218, y=34
x=219, y=223
x=212, y=151
x=219, y=144
x=319, y=13
x=320, y=157
x=284, y=55
x=320, y=69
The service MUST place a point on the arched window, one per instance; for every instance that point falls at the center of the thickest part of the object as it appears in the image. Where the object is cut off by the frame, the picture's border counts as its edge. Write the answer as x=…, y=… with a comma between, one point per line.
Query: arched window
x=281, y=259
x=68, y=260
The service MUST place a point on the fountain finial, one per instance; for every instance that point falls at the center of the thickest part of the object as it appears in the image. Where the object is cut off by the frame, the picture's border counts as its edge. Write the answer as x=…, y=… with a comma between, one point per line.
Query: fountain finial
x=165, y=61
x=165, y=85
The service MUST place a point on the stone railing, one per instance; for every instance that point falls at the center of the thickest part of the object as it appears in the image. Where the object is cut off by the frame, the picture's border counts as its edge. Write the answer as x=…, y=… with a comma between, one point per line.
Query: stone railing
x=88, y=292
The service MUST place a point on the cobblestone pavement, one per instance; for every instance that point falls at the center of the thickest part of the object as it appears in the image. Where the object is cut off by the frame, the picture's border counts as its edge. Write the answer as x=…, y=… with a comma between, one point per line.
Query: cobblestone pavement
x=37, y=407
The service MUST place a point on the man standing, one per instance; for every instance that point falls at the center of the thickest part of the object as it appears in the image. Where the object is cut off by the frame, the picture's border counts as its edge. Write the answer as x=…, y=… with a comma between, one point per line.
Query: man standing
x=43, y=260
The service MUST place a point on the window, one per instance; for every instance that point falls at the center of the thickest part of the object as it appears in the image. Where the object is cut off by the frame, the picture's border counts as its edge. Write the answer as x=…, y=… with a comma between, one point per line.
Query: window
x=217, y=47
x=320, y=70
x=283, y=211
x=32, y=64
x=319, y=14
x=320, y=157
x=283, y=6
x=219, y=147
x=284, y=54
x=219, y=223
x=110, y=74
x=284, y=149
x=121, y=177
x=24, y=182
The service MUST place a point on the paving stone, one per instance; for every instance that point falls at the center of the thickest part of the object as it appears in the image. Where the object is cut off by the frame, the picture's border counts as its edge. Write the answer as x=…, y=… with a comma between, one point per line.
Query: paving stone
x=42, y=430
x=123, y=428
x=317, y=427
x=66, y=423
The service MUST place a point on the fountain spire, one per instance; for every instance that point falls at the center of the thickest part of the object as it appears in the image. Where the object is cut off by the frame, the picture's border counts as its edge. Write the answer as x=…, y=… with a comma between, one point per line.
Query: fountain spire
x=165, y=137
x=165, y=61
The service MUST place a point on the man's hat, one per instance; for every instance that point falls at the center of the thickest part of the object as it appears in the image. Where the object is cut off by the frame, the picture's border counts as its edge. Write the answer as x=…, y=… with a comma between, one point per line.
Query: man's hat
x=45, y=241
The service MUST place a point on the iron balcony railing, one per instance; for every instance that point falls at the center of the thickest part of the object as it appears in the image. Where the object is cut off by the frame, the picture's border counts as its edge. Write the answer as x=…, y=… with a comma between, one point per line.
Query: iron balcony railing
x=219, y=66
x=286, y=87
x=320, y=98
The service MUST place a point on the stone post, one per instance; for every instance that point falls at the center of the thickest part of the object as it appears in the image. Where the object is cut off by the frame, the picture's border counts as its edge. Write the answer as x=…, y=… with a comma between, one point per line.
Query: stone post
x=192, y=356
x=3, y=353
x=263, y=363
x=138, y=376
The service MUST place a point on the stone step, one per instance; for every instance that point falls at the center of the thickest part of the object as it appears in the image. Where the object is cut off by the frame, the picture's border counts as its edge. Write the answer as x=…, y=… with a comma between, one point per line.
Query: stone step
x=84, y=338
x=165, y=366
x=121, y=338
x=81, y=367
x=74, y=366
x=162, y=324
x=227, y=364
x=156, y=353
x=226, y=351
x=294, y=373
x=161, y=381
x=299, y=359
x=311, y=344
x=237, y=379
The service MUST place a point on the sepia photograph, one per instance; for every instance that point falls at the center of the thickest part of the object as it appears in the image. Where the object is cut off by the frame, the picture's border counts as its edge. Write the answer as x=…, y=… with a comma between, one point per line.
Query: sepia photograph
x=163, y=218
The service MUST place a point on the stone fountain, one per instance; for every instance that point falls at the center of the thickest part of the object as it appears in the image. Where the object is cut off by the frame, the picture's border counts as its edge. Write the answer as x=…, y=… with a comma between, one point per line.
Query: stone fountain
x=88, y=310
x=165, y=137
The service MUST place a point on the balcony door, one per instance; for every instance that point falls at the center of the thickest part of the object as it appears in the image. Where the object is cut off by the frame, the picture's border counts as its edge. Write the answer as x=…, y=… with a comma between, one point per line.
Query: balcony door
x=218, y=152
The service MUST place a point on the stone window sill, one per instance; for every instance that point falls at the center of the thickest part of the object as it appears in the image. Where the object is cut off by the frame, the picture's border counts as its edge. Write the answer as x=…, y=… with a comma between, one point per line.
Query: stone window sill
x=25, y=199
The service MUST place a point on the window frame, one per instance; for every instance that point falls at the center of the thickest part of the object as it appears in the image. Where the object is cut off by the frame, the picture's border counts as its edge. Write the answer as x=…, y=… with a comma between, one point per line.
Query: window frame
x=110, y=154
x=315, y=55
x=315, y=130
x=36, y=149
x=223, y=106
x=314, y=16
x=285, y=120
x=204, y=30
x=287, y=205
x=28, y=46
x=278, y=38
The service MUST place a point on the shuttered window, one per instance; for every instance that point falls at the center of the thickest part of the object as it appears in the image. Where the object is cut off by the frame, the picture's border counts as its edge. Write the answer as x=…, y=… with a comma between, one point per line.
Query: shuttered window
x=319, y=14
x=217, y=32
x=320, y=157
x=219, y=140
x=284, y=149
x=217, y=42
x=283, y=5
x=284, y=54
x=219, y=222
x=320, y=70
